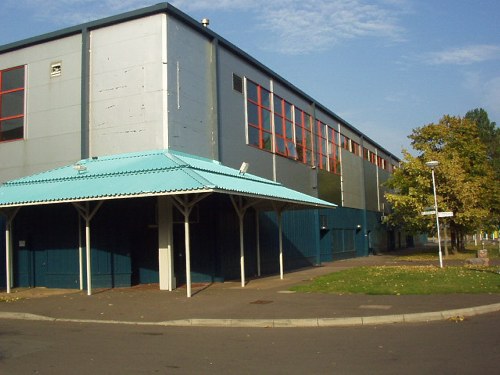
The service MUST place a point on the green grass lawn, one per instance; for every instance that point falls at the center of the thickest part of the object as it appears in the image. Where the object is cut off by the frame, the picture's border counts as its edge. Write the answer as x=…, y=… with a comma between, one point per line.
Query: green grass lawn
x=431, y=254
x=399, y=280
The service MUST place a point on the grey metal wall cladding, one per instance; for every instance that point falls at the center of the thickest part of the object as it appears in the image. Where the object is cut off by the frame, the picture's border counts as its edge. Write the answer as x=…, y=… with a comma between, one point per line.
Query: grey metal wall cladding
x=352, y=179
x=52, y=136
x=371, y=186
x=297, y=176
x=191, y=99
x=329, y=187
x=233, y=149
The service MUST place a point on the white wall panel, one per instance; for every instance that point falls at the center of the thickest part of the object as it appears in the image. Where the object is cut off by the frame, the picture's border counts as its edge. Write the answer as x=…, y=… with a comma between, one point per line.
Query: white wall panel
x=126, y=87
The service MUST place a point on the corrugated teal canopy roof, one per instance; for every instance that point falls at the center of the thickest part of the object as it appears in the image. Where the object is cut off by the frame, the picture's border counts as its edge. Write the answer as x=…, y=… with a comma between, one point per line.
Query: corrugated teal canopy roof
x=149, y=173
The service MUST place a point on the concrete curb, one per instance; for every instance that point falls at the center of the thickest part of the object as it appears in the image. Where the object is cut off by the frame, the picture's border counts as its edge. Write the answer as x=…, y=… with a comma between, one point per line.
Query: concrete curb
x=456, y=315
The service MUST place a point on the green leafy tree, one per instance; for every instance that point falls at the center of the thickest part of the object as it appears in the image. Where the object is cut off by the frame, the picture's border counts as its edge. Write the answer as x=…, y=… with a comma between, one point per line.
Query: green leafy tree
x=464, y=180
x=489, y=135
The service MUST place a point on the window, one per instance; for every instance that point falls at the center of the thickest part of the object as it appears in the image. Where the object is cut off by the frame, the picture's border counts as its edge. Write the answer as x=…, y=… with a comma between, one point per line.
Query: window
x=333, y=151
x=237, y=83
x=259, y=116
x=12, y=104
x=283, y=128
x=355, y=148
x=327, y=150
x=303, y=136
x=345, y=142
x=321, y=145
x=369, y=155
x=381, y=162
x=277, y=126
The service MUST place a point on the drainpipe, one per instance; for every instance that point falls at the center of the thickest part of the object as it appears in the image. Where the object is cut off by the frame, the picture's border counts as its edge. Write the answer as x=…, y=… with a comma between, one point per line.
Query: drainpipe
x=85, y=96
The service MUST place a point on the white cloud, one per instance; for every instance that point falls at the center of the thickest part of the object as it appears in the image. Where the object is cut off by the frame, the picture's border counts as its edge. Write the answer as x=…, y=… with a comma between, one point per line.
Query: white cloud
x=292, y=26
x=227, y=5
x=72, y=12
x=299, y=27
x=464, y=55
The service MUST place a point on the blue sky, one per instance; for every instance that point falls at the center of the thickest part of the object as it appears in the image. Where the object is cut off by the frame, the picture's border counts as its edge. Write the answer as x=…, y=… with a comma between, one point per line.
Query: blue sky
x=385, y=66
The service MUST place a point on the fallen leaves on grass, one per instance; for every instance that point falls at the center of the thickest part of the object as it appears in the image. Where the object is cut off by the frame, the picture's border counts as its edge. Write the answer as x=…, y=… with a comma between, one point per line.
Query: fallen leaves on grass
x=407, y=279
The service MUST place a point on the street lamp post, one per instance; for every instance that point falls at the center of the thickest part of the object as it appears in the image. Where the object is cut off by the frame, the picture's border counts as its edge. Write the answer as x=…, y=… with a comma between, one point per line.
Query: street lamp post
x=433, y=164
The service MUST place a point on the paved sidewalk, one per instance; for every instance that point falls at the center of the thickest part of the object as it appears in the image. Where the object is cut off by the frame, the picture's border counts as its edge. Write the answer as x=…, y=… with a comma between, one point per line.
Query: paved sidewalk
x=263, y=302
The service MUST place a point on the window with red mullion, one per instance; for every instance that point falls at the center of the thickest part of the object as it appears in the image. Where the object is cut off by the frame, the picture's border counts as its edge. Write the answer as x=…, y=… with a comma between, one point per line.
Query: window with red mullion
x=355, y=148
x=344, y=142
x=283, y=128
x=321, y=146
x=333, y=151
x=303, y=136
x=12, y=104
x=259, y=116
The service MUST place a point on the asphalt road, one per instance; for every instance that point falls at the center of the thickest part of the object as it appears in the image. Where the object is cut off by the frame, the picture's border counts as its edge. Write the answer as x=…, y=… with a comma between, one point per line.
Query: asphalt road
x=468, y=347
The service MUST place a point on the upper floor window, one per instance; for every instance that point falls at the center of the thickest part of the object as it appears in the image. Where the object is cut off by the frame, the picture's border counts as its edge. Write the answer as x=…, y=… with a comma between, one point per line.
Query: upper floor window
x=333, y=151
x=12, y=104
x=259, y=116
x=327, y=150
x=303, y=136
x=321, y=145
x=283, y=128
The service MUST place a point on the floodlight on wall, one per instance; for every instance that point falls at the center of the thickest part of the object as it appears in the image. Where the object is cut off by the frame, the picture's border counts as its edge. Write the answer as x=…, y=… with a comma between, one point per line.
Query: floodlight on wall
x=79, y=167
x=323, y=222
x=244, y=168
x=205, y=22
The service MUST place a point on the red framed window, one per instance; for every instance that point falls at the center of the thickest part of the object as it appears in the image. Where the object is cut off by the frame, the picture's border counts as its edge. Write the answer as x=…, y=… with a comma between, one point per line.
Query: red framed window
x=259, y=116
x=381, y=163
x=355, y=148
x=12, y=104
x=284, y=128
x=321, y=145
x=303, y=136
x=345, y=142
x=333, y=151
x=369, y=155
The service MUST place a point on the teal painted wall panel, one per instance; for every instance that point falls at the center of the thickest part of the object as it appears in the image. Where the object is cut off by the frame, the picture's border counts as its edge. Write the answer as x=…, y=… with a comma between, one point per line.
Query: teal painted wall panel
x=2, y=252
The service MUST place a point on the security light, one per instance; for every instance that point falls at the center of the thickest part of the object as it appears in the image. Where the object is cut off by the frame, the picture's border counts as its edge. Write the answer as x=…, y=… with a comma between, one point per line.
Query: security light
x=79, y=167
x=244, y=168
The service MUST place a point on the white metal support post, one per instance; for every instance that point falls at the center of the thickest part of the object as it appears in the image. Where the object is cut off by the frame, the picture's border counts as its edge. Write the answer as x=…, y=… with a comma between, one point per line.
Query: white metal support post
x=280, y=237
x=87, y=215
x=279, y=215
x=241, y=209
x=8, y=250
x=257, y=235
x=433, y=165
x=185, y=206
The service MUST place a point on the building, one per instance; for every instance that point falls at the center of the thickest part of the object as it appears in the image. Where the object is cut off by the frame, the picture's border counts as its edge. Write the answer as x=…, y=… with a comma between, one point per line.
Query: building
x=155, y=79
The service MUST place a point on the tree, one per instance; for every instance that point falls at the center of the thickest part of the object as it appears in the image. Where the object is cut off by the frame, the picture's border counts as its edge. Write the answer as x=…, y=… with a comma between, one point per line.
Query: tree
x=489, y=135
x=465, y=181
